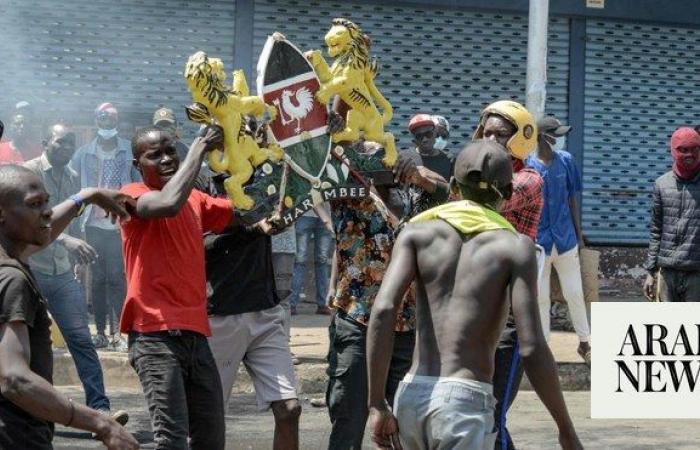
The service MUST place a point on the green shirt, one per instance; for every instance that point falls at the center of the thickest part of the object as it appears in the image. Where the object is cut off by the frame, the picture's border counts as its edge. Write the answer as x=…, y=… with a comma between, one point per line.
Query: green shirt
x=60, y=184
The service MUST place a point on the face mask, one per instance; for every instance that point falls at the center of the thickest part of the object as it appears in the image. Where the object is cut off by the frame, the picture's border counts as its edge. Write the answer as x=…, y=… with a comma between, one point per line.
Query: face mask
x=107, y=134
x=686, y=166
x=440, y=143
x=557, y=143
x=560, y=144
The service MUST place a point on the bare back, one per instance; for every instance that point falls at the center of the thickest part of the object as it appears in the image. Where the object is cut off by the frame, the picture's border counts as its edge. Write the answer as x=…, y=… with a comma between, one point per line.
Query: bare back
x=462, y=296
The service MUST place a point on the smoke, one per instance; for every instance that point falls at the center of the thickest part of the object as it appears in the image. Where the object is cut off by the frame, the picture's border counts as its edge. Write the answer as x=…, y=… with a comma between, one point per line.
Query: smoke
x=21, y=80
x=65, y=58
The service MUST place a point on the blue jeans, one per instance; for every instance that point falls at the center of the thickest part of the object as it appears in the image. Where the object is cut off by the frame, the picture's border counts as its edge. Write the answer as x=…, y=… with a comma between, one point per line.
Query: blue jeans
x=305, y=227
x=67, y=305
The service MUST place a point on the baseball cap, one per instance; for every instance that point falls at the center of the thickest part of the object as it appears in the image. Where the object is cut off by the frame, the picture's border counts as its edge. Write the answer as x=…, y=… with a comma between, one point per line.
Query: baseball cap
x=490, y=159
x=164, y=115
x=105, y=109
x=551, y=125
x=420, y=120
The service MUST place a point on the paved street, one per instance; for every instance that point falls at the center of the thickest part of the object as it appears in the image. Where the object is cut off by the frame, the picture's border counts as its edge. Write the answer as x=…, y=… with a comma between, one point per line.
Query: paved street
x=248, y=429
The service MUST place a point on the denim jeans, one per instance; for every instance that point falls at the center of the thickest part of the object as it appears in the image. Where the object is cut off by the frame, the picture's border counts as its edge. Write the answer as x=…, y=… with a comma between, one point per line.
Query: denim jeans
x=66, y=301
x=304, y=228
x=108, y=280
x=182, y=388
x=347, y=390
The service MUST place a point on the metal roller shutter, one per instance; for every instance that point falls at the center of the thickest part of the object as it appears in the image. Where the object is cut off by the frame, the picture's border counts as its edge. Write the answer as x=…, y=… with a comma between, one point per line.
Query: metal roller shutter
x=443, y=61
x=68, y=58
x=642, y=82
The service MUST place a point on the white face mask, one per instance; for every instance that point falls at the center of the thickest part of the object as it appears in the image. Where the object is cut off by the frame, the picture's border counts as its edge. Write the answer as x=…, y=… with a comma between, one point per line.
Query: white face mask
x=107, y=134
x=557, y=143
x=440, y=143
x=560, y=144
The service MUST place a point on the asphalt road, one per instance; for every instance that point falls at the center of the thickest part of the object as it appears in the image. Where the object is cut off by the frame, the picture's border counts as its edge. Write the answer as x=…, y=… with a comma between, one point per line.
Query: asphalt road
x=530, y=424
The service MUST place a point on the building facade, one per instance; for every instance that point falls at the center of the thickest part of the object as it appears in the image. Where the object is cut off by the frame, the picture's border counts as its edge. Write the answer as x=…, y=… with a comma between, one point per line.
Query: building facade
x=624, y=75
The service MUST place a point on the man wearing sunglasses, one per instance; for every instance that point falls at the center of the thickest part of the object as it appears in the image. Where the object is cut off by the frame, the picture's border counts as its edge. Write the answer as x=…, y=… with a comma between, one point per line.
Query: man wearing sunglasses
x=427, y=168
x=431, y=141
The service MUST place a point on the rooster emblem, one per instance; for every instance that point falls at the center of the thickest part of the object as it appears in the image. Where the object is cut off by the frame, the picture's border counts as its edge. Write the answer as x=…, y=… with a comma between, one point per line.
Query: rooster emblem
x=304, y=100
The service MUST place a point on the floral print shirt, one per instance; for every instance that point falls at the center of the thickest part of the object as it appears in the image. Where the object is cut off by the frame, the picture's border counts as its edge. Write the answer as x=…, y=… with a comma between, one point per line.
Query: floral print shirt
x=364, y=241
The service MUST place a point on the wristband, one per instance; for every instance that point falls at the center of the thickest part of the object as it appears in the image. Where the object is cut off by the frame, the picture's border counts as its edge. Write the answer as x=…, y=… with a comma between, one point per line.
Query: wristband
x=79, y=202
x=72, y=412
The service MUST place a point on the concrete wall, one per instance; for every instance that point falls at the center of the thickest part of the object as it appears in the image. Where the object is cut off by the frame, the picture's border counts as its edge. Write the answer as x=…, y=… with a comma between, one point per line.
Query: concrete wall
x=620, y=273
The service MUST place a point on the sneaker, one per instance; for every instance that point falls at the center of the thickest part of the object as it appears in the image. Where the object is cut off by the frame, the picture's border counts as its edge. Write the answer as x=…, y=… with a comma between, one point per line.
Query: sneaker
x=121, y=417
x=293, y=310
x=323, y=311
x=319, y=402
x=119, y=344
x=295, y=361
x=100, y=340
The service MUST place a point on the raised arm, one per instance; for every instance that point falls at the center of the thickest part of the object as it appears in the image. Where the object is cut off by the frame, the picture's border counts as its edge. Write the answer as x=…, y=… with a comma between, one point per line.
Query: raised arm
x=38, y=397
x=537, y=358
x=168, y=201
x=380, y=335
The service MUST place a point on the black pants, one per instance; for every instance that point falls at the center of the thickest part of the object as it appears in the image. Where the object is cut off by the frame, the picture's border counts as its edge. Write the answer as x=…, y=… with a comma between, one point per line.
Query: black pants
x=347, y=391
x=182, y=388
x=108, y=281
x=679, y=285
x=506, y=382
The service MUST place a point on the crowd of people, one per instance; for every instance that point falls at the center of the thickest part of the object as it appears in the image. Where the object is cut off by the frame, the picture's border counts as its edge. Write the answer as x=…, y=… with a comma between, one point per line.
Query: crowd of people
x=437, y=285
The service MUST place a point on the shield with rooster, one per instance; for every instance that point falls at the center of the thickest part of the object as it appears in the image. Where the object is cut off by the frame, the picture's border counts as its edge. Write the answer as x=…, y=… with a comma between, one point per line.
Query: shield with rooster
x=287, y=81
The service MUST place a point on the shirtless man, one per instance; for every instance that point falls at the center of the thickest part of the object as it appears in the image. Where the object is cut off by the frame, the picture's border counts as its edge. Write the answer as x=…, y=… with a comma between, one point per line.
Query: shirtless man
x=459, y=318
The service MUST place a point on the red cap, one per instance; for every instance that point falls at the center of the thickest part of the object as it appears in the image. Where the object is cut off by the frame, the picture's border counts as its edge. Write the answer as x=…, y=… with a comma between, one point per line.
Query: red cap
x=420, y=120
x=105, y=109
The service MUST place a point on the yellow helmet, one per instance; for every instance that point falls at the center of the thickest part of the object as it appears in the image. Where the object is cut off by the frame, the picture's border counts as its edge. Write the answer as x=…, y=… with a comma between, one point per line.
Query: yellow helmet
x=525, y=137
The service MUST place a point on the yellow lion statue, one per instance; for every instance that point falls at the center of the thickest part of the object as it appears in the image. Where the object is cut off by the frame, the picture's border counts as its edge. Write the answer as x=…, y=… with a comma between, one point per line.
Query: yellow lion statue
x=217, y=103
x=352, y=78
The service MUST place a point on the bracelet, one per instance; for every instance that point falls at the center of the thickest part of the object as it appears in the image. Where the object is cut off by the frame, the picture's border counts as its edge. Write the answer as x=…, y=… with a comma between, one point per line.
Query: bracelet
x=72, y=412
x=79, y=202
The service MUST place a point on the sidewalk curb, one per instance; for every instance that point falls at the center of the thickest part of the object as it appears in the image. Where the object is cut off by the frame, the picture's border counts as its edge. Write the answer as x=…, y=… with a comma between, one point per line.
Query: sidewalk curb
x=311, y=376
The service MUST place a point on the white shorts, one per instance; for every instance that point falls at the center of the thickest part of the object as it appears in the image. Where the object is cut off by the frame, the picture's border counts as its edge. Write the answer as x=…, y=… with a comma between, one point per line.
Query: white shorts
x=441, y=413
x=258, y=340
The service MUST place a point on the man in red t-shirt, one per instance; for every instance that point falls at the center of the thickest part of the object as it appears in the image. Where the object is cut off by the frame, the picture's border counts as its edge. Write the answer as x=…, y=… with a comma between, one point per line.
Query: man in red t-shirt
x=165, y=307
x=20, y=147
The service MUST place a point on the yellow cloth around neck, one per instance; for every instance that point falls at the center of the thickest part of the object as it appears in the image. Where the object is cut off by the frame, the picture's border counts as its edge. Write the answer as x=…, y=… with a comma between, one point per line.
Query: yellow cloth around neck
x=467, y=217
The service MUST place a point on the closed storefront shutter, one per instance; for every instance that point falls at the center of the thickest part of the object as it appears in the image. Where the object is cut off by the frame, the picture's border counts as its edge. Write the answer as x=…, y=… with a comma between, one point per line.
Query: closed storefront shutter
x=67, y=57
x=451, y=62
x=642, y=82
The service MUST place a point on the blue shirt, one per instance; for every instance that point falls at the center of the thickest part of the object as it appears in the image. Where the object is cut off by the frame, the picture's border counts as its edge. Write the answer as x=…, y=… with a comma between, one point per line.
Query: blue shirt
x=561, y=183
